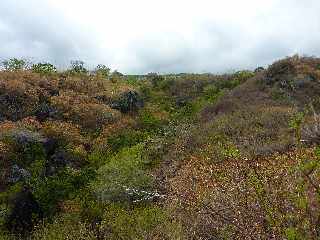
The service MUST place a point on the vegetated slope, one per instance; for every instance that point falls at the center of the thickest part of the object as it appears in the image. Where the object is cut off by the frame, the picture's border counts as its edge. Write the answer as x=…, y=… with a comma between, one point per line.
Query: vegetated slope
x=251, y=171
x=188, y=156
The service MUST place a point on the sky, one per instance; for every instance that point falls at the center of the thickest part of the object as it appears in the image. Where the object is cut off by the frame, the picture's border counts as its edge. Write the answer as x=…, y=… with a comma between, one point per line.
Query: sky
x=167, y=36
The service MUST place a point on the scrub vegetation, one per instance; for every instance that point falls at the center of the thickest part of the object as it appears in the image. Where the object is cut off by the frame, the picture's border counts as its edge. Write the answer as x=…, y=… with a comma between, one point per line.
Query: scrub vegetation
x=103, y=155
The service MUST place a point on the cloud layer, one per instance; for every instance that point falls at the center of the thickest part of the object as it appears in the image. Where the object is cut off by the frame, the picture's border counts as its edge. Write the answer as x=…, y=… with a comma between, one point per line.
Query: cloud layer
x=161, y=36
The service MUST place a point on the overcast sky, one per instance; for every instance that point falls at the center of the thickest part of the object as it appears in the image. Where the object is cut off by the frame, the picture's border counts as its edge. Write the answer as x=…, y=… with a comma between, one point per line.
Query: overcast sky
x=140, y=36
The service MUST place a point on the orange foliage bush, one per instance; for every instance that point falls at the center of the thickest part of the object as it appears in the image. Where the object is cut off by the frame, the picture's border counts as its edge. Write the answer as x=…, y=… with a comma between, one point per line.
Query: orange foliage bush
x=63, y=132
x=84, y=110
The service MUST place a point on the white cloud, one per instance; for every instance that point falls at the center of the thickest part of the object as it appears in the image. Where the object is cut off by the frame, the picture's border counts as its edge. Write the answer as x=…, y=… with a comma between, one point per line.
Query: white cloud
x=164, y=36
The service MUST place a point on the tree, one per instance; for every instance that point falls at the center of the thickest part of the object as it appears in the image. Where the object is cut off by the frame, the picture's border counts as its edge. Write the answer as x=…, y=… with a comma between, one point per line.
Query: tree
x=44, y=68
x=14, y=64
x=77, y=66
x=102, y=70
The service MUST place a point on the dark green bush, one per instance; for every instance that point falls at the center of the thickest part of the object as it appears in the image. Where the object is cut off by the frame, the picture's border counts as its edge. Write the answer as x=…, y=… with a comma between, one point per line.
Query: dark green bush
x=66, y=184
x=148, y=121
x=44, y=68
x=129, y=101
x=128, y=138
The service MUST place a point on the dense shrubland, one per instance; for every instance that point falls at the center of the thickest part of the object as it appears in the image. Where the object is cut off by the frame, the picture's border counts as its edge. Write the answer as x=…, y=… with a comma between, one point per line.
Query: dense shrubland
x=102, y=155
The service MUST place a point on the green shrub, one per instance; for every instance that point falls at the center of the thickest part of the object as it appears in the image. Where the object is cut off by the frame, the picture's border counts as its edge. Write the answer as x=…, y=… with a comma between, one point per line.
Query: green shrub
x=123, y=177
x=102, y=70
x=149, y=121
x=44, y=68
x=67, y=184
x=128, y=101
x=77, y=66
x=165, y=84
x=278, y=94
x=295, y=123
x=127, y=138
x=291, y=234
x=234, y=80
x=14, y=64
x=66, y=226
x=26, y=145
x=139, y=223
x=242, y=76
x=6, y=236
x=132, y=80
x=184, y=112
x=98, y=157
x=155, y=79
x=211, y=93
x=116, y=76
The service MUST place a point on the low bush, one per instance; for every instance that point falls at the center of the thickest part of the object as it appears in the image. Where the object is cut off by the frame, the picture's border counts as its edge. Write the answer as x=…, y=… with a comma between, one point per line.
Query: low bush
x=44, y=68
x=149, y=121
x=310, y=131
x=66, y=184
x=127, y=138
x=78, y=67
x=84, y=111
x=123, y=178
x=139, y=223
x=64, y=226
x=129, y=101
x=103, y=71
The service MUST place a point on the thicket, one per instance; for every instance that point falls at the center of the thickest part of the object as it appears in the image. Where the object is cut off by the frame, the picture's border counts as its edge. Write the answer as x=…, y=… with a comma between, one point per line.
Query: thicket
x=102, y=155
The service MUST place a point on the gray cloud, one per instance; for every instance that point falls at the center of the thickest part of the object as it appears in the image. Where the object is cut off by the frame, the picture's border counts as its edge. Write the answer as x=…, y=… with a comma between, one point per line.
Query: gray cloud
x=37, y=30
x=31, y=30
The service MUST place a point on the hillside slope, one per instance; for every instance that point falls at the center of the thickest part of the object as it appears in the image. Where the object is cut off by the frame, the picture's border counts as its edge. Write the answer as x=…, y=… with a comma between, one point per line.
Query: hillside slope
x=188, y=156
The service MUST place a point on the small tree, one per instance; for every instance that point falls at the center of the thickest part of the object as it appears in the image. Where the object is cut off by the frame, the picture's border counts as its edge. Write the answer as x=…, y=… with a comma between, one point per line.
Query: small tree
x=77, y=66
x=14, y=64
x=44, y=68
x=115, y=76
x=102, y=70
